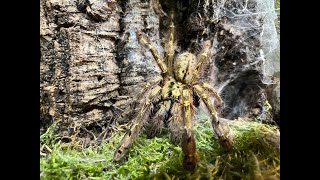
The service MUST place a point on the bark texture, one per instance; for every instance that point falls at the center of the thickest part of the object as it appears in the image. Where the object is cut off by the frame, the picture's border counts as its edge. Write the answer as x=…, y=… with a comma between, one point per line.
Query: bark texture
x=79, y=71
x=92, y=64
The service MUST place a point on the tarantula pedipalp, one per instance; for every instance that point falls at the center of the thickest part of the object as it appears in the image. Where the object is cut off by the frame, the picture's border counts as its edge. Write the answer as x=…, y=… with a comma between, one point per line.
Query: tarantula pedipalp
x=173, y=94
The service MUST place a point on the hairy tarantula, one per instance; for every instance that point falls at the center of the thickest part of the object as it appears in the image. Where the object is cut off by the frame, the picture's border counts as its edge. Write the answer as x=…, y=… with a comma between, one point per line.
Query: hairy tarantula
x=174, y=94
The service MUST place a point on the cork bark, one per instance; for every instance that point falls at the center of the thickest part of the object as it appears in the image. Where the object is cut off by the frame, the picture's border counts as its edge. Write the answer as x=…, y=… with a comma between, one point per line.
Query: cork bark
x=92, y=64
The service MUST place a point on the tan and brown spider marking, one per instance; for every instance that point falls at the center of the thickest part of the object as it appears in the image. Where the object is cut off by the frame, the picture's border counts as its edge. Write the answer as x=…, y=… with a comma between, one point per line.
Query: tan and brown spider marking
x=173, y=95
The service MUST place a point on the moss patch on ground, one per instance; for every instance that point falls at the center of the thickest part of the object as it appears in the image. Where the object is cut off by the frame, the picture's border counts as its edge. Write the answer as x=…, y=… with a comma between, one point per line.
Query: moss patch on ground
x=256, y=155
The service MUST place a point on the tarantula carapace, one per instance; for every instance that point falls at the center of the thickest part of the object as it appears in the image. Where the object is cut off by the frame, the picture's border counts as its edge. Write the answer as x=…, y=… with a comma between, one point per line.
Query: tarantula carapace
x=174, y=94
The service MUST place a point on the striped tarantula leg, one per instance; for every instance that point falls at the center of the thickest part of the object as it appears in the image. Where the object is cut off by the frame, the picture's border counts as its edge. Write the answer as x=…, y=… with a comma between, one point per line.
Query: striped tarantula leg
x=204, y=55
x=156, y=122
x=220, y=131
x=152, y=96
x=186, y=100
x=147, y=87
x=141, y=95
x=189, y=149
x=201, y=59
x=211, y=90
x=176, y=123
x=170, y=45
x=188, y=142
x=145, y=41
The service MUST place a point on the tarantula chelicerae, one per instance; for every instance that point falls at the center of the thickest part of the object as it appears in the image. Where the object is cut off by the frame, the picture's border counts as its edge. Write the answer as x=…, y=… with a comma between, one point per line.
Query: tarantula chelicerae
x=171, y=98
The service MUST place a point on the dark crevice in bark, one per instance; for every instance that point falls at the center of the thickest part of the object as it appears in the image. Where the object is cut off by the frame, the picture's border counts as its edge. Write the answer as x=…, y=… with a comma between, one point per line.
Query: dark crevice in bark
x=89, y=108
x=119, y=43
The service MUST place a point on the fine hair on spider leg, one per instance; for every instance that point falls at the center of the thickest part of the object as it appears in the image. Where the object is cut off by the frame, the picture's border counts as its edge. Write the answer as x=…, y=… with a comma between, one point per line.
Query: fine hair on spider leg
x=133, y=108
x=155, y=122
x=218, y=103
x=176, y=123
x=152, y=96
x=224, y=140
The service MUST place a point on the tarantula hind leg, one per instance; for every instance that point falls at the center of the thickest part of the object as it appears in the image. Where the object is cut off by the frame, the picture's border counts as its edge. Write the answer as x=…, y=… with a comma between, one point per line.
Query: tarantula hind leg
x=155, y=124
x=176, y=124
x=152, y=96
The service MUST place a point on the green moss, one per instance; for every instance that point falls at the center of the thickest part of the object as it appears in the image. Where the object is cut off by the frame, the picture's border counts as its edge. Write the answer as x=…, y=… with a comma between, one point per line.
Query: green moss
x=255, y=155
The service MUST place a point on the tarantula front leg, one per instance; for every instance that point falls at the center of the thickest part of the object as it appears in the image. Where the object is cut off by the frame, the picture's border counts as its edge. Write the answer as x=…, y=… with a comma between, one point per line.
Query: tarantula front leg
x=186, y=100
x=151, y=97
x=144, y=40
x=201, y=59
x=211, y=91
x=170, y=45
x=188, y=142
x=224, y=140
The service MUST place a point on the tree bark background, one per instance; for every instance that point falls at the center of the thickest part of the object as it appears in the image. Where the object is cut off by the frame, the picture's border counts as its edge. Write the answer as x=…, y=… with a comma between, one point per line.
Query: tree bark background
x=92, y=64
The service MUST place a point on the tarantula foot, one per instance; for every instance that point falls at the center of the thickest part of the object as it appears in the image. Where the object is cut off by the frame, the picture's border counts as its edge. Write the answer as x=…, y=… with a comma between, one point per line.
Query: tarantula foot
x=189, y=164
x=118, y=155
x=226, y=144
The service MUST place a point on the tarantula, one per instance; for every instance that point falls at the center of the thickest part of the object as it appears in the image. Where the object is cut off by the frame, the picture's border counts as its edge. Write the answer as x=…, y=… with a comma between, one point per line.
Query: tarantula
x=174, y=94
